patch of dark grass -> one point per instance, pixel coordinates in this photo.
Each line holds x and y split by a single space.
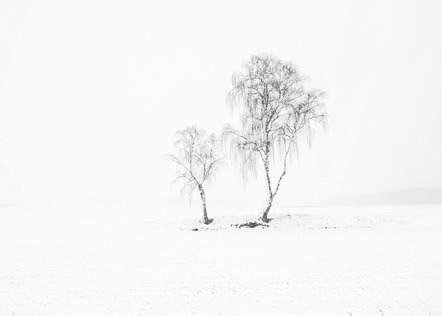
250 225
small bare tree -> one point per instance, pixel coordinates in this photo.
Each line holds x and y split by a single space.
198 159
275 108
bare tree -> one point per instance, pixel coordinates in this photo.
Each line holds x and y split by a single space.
275 108
198 159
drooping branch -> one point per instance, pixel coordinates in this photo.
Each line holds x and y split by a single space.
198 157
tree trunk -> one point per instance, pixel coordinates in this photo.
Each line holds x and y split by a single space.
264 217
206 219
272 194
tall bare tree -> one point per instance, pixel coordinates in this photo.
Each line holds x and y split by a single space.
197 160
275 108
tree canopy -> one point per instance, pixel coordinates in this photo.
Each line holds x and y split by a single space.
275 107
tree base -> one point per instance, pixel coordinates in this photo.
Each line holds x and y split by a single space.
264 219
207 221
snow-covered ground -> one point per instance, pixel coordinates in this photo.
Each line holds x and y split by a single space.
309 261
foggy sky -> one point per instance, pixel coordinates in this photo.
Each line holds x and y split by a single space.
92 92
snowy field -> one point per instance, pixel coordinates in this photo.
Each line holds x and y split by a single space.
309 261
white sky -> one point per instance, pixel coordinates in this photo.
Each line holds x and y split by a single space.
91 93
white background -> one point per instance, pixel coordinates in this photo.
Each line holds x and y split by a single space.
92 92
